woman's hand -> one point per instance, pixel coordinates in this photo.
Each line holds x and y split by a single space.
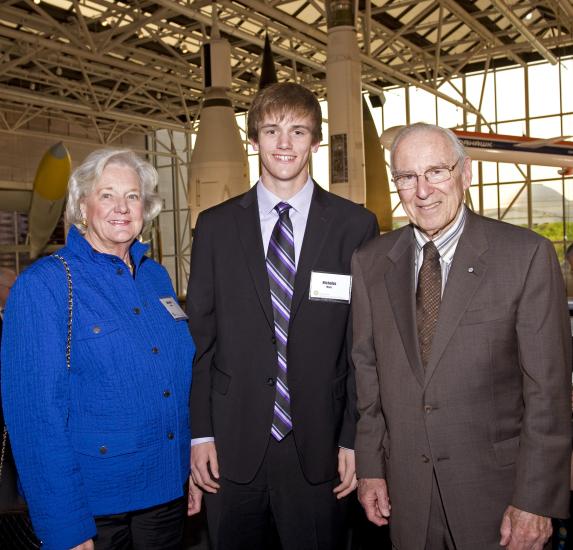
87 545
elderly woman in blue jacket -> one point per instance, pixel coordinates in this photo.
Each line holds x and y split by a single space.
102 449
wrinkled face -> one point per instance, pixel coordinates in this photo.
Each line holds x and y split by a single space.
284 148
432 208
114 210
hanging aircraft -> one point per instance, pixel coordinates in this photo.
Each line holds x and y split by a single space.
514 149
44 202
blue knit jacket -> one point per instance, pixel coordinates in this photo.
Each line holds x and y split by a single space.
112 434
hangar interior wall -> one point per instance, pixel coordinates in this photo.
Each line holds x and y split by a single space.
20 156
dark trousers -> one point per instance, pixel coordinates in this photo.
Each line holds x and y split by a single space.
278 502
438 536
156 528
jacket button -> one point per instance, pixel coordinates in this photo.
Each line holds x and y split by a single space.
102 450
154 350
166 393
170 435
136 310
119 271
427 409
425 459
270 381
96 330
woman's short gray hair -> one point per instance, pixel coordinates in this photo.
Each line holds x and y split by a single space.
457 145
85 177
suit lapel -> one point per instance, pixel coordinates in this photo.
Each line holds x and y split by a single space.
249 229
400 285
315 235
466 274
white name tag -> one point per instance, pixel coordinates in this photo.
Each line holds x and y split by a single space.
330 287
173 308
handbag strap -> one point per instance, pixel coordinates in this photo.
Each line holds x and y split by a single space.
3 451
70 308
68 350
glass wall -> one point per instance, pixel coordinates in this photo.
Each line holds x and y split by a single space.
536 100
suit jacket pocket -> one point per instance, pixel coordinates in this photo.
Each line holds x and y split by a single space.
506 451
220 381
485 315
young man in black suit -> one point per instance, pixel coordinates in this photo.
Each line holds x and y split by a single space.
273 397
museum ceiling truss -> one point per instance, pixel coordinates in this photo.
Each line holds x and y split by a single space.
96 69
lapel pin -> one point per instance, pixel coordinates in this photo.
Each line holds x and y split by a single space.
470 269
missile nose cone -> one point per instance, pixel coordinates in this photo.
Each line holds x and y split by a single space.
268 72
59 150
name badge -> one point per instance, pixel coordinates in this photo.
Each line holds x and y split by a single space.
330 287
174 309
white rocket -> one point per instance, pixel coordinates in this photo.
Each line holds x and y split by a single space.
219 167
344 95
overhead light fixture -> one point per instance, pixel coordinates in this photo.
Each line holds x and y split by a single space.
37 2
529 15
59 71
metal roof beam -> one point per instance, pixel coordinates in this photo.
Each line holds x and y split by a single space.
477 27
522 28
21 96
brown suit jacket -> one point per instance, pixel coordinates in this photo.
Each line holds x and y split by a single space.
491 412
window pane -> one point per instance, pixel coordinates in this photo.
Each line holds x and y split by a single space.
320 167
394 108
513 203
510 105
324 110
543 172
488 171
511 128
547 202
474 193
490 201
568 126
449 115
567 85
474 85
549 127
512 172
543 90
422 106
253 169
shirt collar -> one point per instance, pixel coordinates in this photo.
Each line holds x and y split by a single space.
299 202
78 244
448 240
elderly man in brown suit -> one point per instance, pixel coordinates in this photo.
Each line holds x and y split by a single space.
462 354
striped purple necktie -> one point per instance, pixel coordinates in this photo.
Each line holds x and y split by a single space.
281 269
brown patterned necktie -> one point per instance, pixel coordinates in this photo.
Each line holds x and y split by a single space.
428 298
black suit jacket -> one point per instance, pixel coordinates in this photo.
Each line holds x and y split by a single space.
231 320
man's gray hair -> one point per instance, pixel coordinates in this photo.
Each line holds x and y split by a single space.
85 177
425 127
